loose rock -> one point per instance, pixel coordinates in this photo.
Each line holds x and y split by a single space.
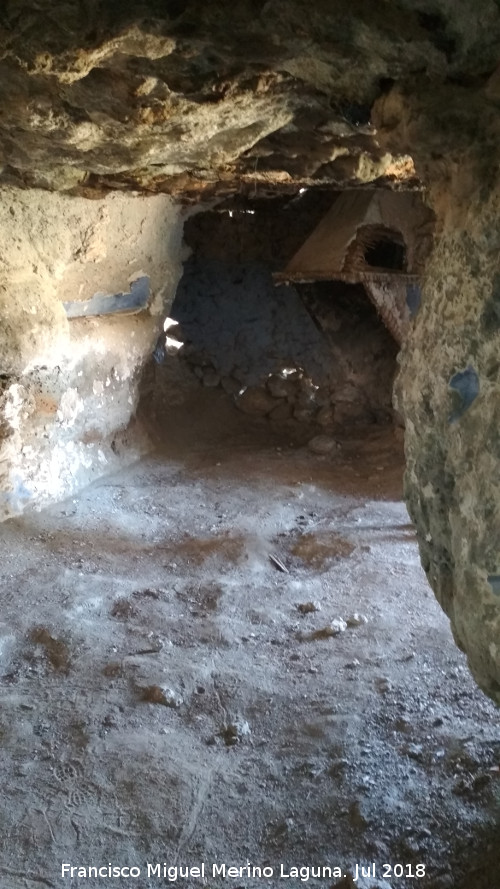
255 401
336 627
308 607
278 387
160 694
230 385
324 416
281 412
322 444
234 732
303 414
356 620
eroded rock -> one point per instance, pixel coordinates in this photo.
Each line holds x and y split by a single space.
188 99
70 385
449 393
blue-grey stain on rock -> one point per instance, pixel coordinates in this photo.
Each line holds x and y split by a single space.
159 353
111 304
413 298
466 384
494 582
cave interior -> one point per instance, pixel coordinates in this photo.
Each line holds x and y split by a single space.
249 402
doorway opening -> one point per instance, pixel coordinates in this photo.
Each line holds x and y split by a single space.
306 357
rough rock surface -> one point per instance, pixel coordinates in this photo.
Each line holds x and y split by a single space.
453 485
68 388
448 388
320 349
186 95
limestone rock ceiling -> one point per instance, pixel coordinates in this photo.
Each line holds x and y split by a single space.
189 96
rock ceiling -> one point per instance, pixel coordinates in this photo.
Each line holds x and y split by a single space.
191 97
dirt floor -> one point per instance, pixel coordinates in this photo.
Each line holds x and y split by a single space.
178 683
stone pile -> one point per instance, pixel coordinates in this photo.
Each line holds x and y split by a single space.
288 396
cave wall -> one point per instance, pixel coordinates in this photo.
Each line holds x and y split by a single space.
314 354
184 98
68 388
266 230
234 317
362 351
449 391
449 384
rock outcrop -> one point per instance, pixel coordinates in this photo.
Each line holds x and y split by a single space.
192 97
449 384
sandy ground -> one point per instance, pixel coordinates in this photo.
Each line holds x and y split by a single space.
165 699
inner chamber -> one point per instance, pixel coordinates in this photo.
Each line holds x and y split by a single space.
307 353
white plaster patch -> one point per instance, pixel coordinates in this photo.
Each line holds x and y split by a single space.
71 405
14 403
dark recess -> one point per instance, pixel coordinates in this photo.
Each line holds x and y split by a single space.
386 253
435 25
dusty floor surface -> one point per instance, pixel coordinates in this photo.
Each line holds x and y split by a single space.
164 698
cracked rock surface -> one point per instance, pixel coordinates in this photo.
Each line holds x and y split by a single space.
183 96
